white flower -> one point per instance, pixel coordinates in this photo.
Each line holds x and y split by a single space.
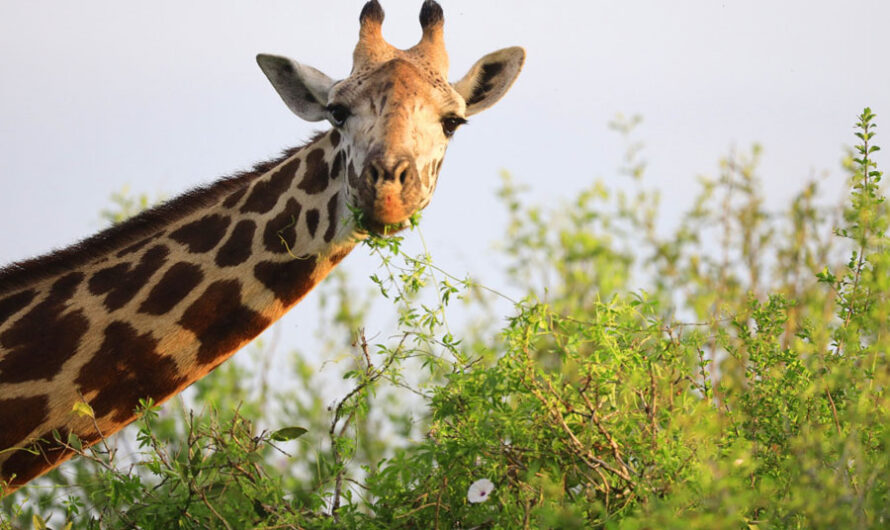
480 490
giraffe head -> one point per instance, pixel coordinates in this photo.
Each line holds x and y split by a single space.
396 112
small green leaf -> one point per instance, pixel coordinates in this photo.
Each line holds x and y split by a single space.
288 433
826 276
75 442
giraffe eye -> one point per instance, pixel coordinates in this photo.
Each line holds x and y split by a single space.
451 123
339 114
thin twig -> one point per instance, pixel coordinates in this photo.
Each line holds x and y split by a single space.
372 375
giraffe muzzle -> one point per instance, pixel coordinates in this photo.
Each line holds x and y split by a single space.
389 191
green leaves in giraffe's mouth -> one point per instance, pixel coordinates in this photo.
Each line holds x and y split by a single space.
365 223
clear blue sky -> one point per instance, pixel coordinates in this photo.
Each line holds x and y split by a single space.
165 95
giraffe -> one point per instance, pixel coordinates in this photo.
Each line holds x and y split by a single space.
149 306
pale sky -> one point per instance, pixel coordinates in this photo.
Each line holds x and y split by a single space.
165 95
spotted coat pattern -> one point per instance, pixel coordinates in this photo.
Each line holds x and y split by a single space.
151 314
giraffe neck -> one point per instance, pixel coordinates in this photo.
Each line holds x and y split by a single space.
146 308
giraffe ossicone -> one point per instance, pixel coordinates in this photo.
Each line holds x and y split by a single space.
147 307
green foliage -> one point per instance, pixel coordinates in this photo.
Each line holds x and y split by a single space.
743 383
126 206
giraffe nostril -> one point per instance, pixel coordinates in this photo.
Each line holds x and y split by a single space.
401 170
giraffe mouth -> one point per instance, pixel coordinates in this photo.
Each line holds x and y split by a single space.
387 216
381 229
389 209
384 208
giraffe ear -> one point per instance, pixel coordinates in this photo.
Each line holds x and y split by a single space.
490 78
303 88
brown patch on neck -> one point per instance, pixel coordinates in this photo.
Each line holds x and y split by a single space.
316 177
39 343
280 234
127 368
203 234
122 282
174 286
237 249
289 280
265 195
19 417
15 303
220 322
